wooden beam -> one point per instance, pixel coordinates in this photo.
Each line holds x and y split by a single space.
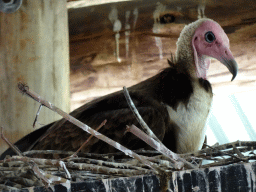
33 49
93 42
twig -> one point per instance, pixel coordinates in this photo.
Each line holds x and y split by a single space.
37 114
85 127
47 179
39 173
52 154
13 147
84 144
53 162
227 161
108 167
235 143
106 170
217 150
160 147
224 153
123 165
56 163
138 116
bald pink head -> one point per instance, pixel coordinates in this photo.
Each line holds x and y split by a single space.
210 40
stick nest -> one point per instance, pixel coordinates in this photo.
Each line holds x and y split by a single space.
16 172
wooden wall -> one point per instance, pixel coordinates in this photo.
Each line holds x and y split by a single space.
146 32
34 50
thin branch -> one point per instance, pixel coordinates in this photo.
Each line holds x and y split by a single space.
160 147
53 162
33 166
235 143
39 173
122 165
86 142
25 89
138 116
37 114
106 170
223 152
224 149
108 167
107 157
13 147
63 154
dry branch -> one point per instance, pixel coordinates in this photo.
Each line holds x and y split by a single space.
25 89
85 143
37 114
138 116
105 166
47 179
123 165
161 148
53 154
106 170
13 147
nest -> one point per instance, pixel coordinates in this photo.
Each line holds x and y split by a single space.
45 168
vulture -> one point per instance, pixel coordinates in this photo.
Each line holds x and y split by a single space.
175 103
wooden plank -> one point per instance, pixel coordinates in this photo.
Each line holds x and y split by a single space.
33 49
93 52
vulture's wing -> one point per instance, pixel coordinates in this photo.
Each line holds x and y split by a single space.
64 135
116 111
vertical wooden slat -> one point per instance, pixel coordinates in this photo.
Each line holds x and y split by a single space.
33 49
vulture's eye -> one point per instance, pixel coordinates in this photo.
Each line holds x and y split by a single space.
209 37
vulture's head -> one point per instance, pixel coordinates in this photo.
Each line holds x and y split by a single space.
199 42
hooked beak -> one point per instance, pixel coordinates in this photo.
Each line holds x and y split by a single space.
232 66
224 55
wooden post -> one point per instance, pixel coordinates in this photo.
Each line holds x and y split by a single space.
33 49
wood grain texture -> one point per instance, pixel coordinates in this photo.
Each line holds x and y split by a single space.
34 50
95 69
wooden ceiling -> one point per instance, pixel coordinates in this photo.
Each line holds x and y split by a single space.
119 44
